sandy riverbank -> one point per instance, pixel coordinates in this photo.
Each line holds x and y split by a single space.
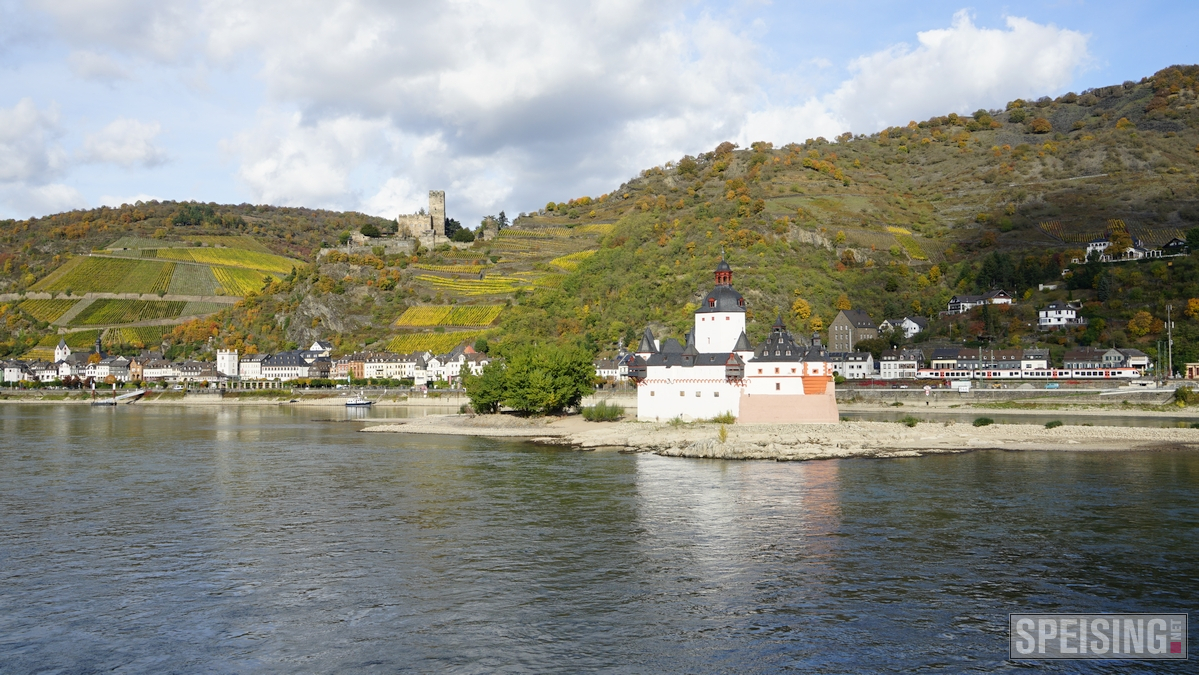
796 441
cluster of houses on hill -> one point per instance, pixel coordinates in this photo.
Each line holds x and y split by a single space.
1101 249
248 371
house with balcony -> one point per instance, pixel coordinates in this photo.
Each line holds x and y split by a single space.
1060 315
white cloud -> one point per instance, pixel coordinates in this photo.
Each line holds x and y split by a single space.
158 29
26 200
508 103
29 152
284 161
959 69
125 142
90 65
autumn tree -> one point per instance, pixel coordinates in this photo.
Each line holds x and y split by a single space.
1192 309
802 310
1144 323
1040 125
843 302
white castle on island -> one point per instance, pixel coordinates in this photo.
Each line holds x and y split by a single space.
717 372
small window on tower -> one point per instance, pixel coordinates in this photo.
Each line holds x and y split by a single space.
776 371
777 386
697 394
711 302
682 393
715 394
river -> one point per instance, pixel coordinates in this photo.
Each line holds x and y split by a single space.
246 539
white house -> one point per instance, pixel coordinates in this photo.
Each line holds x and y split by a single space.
960 304
1034 359
907 326
1060 314
227 362
717 372
899 364
250 366
16 371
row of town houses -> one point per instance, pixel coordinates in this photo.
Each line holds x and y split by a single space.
315 362
904 364
852 326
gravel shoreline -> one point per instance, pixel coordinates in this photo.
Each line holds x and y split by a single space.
788 442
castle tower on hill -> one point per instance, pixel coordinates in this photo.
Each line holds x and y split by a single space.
428 226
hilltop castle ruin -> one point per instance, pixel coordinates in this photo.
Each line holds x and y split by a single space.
428 226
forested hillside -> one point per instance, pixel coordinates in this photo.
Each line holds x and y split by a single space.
894 223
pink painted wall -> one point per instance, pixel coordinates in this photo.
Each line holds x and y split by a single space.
815 409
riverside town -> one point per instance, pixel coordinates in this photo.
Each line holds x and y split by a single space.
357 337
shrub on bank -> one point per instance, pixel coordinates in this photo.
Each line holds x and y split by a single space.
724 418
1053 425
603 412
909 421
983 422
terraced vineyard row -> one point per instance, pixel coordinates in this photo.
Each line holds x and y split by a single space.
143 242
137 336
912 246
570 262
108 275
438 343
267 262
456 269
81 339
194 280
493 285
244 242
103 312
199 308
464 315
239 281
47 310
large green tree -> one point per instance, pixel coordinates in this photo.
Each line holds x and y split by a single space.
534 380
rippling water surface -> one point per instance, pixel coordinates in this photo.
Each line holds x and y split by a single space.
159 539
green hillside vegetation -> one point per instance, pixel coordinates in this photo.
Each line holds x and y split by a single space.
894 223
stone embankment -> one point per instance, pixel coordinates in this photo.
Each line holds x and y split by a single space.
798 441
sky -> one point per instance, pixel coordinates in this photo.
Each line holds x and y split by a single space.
366 105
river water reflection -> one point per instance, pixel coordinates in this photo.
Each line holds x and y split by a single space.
161 539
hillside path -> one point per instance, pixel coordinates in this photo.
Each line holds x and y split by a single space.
41 295
73 312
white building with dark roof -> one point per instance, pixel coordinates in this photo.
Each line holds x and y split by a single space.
717 372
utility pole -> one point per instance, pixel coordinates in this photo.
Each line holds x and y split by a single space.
1170 341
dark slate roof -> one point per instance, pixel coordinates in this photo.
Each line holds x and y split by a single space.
742 343
780 346
858 318
723 266
685 360
647 343
672 346
721 299
284 360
